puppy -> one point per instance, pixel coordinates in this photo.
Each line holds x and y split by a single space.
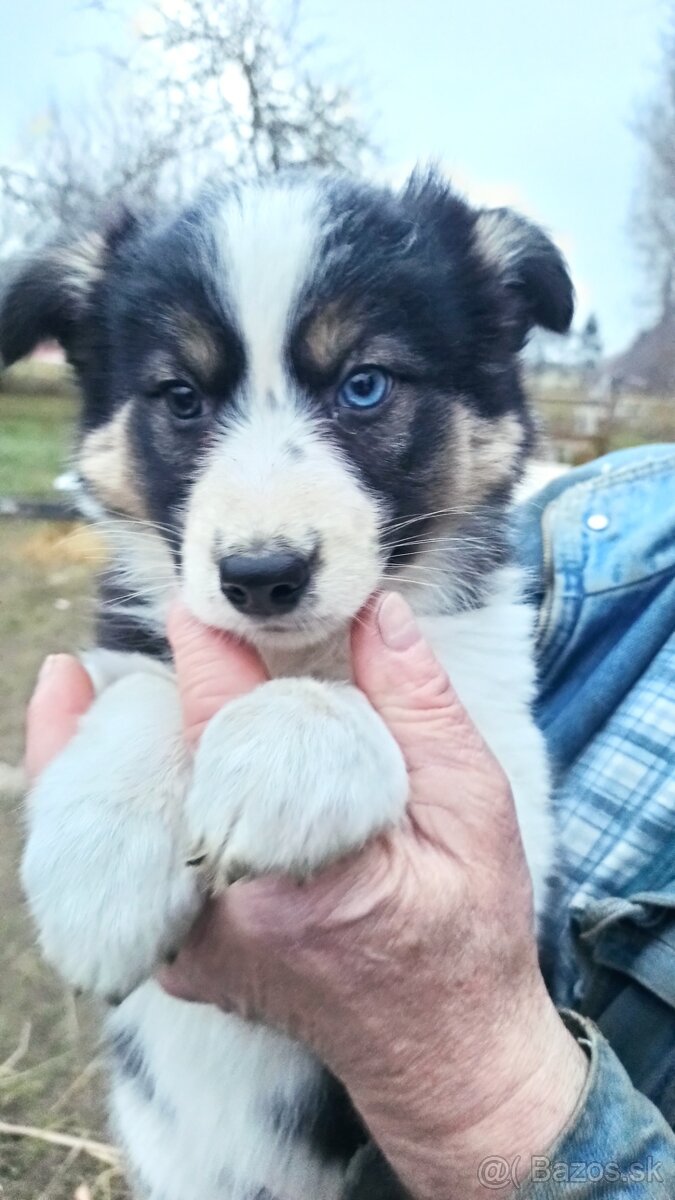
293 394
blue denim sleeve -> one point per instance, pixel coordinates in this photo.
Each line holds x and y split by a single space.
598 548
617 1145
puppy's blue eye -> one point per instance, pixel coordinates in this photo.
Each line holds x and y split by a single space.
182 400
365 388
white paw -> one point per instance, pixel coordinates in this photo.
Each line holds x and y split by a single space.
104 868
289 777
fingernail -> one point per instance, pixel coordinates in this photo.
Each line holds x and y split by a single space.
396 622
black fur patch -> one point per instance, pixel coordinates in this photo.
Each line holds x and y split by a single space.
130 1063
119 625
371 1178
325 1119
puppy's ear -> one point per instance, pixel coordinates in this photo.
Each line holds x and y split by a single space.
49 295
531 269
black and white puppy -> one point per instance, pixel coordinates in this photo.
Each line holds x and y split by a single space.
294 393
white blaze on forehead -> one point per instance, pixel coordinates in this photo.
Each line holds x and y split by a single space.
268 242
272 477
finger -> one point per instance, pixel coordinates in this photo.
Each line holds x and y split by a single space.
199 973
212 667
217 962
398 671
62 695
244 942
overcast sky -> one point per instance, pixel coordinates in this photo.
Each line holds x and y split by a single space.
524 101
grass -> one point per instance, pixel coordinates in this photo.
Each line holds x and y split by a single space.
51 1075
57 1082
35 442
44 608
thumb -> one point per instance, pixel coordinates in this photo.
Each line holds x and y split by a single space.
396 668
212 667
62 696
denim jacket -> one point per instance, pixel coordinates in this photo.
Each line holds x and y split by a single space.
599 547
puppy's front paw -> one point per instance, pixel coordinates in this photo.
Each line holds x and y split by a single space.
289 777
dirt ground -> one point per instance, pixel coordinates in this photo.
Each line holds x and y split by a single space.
50 1063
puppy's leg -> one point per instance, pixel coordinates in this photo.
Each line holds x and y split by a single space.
104 865
291 776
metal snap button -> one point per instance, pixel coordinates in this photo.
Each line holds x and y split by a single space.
597 522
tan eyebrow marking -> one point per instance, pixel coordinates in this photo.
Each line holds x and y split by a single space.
196 344
329 335
335 338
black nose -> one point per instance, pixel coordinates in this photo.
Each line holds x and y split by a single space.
264 585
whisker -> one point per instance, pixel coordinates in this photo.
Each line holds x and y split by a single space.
476 510
392 526
424 568
418 583
115 601
436 542
127 521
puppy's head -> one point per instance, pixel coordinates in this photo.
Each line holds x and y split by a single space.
304 389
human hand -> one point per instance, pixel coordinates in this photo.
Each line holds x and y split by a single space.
411 968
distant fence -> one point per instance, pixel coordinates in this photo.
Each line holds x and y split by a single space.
39 510
579 424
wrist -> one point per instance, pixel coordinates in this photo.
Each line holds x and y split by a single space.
534 1107
514 1094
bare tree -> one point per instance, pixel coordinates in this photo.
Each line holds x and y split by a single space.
590 347
653 216
209 84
